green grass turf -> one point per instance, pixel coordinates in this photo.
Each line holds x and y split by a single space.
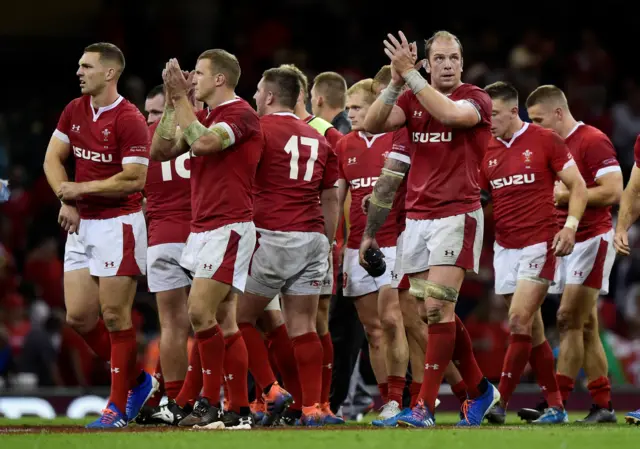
512 436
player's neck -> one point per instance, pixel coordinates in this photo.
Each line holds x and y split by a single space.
105 98
446 90
280 110
329 114
220 96
568 125
514 128
301 112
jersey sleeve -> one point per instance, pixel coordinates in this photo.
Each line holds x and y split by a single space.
333 136
134 139
331 171
240 124
481 101
64 123
401 146
559 154
636 152
600 157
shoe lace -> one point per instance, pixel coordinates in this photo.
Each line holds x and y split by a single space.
419 412
199 410
108 416
466 406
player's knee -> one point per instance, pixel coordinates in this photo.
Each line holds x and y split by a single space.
435 314
567 320
590 331
391 321
424 289
114 318
519 323
374 336
81 323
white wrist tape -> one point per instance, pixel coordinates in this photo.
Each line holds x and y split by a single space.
390 94
415 81
572 223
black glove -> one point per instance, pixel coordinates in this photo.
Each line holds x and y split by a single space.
375 259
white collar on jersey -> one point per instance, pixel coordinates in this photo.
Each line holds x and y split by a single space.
575 128
515 135
96 115
284 114
366 137
209 109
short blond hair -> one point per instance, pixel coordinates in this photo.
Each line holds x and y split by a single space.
333 87
441 35
547 94
224 62
382 78
365 87
302 78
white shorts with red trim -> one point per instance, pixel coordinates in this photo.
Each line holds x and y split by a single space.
164 272
357 282
292 263
589 264
110 247
223 254
455 240
331 278
399 280
533 263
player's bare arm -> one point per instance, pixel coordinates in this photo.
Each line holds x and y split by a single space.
457 114
57 153
607 192
381 201
565 239
628 213
330 211
167 141
130 180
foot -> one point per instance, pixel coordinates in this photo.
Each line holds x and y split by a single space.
633 418
276 402
236 421
531 414
553 415
420 416
258 409
290 417
111 418
139 394
474 410
393 420
202 415
599 415
169 413
328 417
312 416
497 415
389 410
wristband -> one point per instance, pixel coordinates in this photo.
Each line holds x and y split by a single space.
572 223
375 201
390 94
415 81
166 129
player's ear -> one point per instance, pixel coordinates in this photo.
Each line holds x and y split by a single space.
427 66
111 73
461 64
220 79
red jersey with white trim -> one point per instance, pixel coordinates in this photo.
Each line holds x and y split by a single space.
636 152
444 181
168 191
595 156
296 167
221 183
402 147
520 175
361 158
102 141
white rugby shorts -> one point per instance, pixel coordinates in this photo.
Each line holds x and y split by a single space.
109 247
534 263
164 272
222 254
357 282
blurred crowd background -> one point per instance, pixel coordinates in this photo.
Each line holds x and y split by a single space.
584 52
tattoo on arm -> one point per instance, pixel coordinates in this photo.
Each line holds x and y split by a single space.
384 193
